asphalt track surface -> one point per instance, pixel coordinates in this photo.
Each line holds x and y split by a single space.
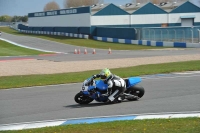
100 53
167 93
172 93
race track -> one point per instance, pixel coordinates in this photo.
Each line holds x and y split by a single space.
167 93
100 53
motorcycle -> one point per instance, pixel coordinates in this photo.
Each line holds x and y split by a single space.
97 90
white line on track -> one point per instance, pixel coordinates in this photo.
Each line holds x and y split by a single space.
159 113
29 47
145 78
48 123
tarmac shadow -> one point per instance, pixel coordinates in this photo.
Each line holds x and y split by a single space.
86 105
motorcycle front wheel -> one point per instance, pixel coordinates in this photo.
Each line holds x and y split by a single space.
82 99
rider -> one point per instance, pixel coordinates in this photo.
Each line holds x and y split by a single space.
116 85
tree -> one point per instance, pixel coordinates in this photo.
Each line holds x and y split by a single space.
2 19
24 18
51 6
5 18
78 3
16 19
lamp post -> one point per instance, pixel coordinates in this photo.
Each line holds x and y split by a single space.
168 35
183 35
199 35
192 35
149 35
175 35
154 35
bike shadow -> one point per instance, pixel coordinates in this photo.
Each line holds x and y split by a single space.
86 105
91 105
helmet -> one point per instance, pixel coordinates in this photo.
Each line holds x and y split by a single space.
105 73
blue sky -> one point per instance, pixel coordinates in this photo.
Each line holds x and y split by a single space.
23 7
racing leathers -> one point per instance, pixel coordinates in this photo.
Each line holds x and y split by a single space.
116 86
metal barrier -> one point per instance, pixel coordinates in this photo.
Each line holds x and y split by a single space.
172 34
5 23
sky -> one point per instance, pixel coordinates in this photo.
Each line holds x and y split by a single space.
23 7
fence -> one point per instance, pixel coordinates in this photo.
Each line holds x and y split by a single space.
5 23
116 32
172 34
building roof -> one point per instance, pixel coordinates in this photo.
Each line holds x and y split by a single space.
169 6
186 7
97 7
109 9
149 8
132 7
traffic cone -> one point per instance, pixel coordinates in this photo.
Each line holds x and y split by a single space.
94 52
75 51
79 51
109 51
85 52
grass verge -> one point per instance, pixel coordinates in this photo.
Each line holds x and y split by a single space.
7 49
49 79
181 125
82 42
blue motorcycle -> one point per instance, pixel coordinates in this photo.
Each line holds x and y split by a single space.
97 90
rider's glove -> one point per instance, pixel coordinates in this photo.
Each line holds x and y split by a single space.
96 76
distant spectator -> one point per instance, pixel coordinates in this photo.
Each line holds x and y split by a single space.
0 33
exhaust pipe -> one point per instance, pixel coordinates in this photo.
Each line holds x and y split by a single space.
129 96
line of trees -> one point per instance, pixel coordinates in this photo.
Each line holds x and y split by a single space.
51 6
6 18
78 3
71 3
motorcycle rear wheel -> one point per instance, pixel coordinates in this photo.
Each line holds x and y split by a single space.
136 90
81 99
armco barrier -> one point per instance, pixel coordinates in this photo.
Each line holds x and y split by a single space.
56 33
150 43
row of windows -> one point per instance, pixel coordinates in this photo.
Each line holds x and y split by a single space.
71 11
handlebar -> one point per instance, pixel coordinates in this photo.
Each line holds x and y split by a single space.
88 82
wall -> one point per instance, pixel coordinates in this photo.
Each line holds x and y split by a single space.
149 43
77 20
73 20
110 20
146 20
151 19
122 33
22 27
175 18
73 17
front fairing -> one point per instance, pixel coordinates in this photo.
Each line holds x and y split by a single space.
87 89
101 85
95 89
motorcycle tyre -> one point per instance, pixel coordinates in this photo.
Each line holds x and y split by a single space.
78 95
133 91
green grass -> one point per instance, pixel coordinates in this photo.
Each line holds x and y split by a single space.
186 125
181 125
82 42
7 49
49 79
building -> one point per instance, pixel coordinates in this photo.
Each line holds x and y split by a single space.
101 19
